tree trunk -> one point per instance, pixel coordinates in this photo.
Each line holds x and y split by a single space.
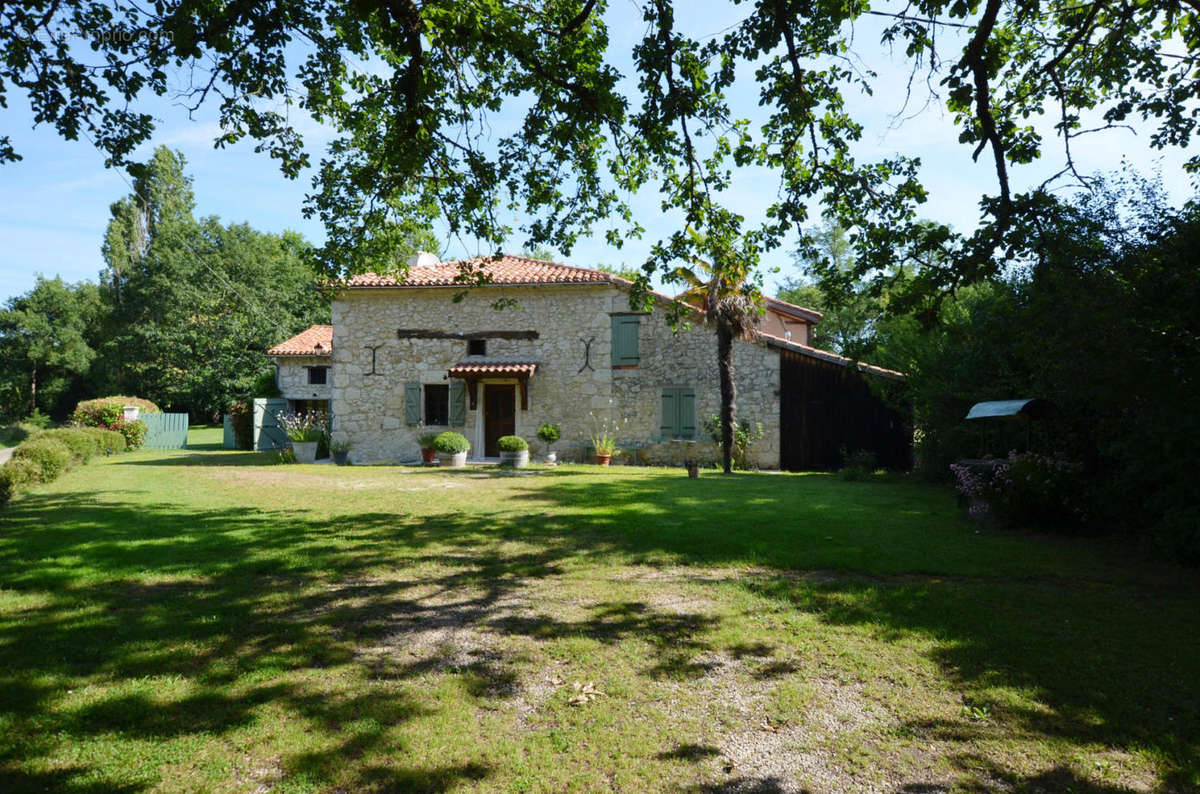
728 392
33 389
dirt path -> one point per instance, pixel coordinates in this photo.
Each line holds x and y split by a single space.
5 454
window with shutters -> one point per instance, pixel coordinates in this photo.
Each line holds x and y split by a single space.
678 413
437 404
625 340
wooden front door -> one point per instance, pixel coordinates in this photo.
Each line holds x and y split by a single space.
499 415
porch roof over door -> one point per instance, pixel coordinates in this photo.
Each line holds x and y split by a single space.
475 371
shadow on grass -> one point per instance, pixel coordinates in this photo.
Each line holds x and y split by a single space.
258 595
202 455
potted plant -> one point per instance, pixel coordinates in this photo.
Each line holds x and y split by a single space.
514 451
340 450
604 436
305 432
428 453
549 433
605 445
452 449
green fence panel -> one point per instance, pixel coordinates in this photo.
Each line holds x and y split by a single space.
165 431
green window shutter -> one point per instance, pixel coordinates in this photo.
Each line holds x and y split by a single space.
458 403
687 413
625 340
412 403
670 413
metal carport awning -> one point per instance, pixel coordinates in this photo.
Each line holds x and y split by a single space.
1033 408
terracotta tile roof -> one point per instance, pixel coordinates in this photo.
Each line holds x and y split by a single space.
825 355
314 341
465 369
783 307
507 270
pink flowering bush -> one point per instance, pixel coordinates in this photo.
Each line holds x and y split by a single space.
1026 489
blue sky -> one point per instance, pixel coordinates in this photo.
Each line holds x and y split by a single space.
54 203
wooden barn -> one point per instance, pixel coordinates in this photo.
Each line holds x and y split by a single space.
830 405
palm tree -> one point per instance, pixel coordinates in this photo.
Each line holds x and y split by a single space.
733 305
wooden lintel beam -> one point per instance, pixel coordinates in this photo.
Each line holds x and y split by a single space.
425 333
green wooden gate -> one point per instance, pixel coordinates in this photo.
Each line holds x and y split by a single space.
267 432
165 431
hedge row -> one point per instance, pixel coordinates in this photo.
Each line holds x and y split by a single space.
48 454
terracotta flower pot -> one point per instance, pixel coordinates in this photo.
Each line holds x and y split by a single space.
428 455
603 460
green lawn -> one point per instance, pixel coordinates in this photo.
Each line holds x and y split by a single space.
205 620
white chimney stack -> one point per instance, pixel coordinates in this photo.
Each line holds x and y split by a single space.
423 259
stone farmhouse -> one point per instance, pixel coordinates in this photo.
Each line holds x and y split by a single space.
546 342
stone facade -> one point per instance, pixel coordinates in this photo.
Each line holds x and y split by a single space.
292 378
575 384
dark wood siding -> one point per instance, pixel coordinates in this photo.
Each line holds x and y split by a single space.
825 408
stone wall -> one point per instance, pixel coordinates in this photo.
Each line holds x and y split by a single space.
572 384
292 378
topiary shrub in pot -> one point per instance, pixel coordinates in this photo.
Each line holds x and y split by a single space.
452 449
549 433
514 451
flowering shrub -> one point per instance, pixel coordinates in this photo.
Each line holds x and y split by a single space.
309 426
108 413
1025 489
134 432
105 411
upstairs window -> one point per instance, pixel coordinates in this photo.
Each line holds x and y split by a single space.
318 376
437 404
476 347
625 340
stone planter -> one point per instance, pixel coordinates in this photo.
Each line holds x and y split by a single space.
603 460
305 451
551 458
518 459
341 458
452 460
428 455
693 470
